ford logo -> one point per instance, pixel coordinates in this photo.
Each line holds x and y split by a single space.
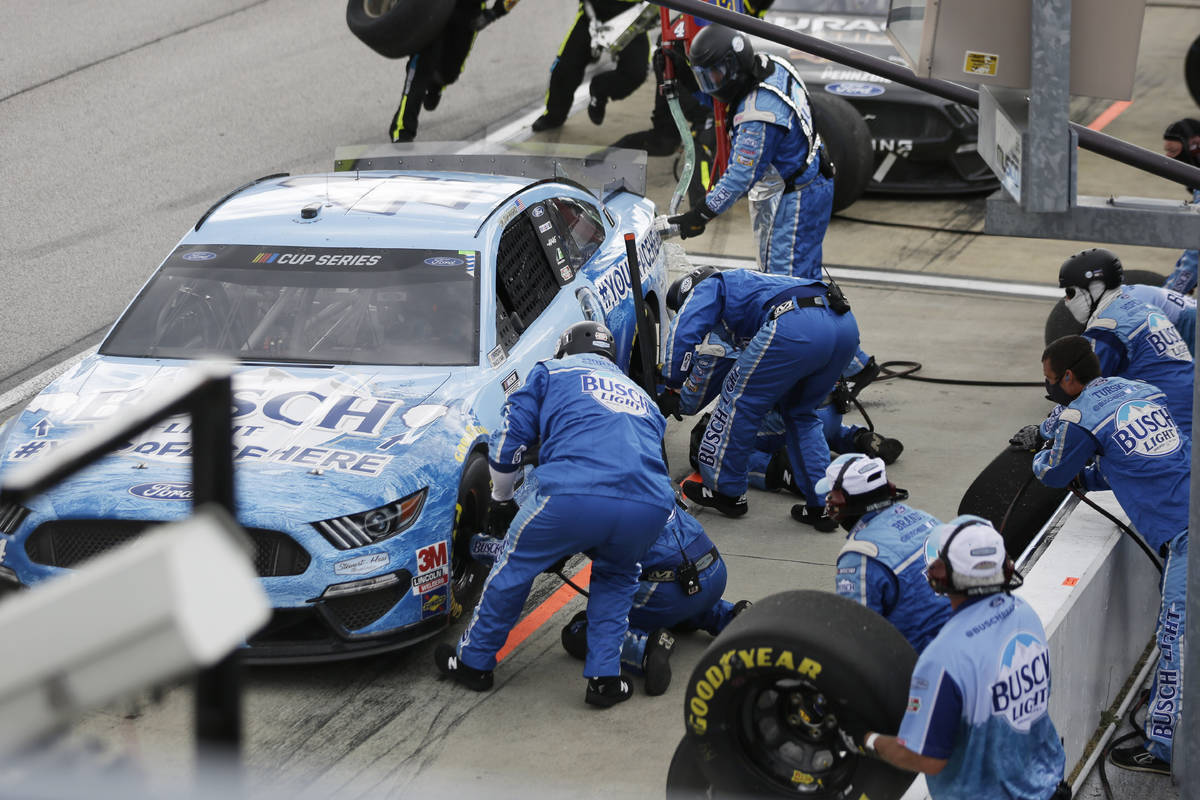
855 89
199 255
537 211
162 491
444 261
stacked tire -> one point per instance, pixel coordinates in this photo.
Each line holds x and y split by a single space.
397 28
848 142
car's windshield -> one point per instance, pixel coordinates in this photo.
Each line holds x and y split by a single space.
874 8
314 305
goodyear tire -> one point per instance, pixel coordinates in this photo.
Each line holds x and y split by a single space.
1061 323
397 28
466 574
772 700
848 140
685 781
1007 494
1191 70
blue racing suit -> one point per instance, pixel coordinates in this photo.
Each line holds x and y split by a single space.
1183 278
774 138
603 490
1134 340
882 566
1126 429
1180 309
793 348
980 698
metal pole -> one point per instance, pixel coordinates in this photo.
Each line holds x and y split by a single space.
1154 163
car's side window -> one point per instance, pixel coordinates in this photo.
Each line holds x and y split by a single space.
582 226
525 280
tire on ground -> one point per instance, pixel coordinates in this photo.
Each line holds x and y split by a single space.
397 28
1191 70
848 141
1008 495
1060 322
793 661
470 517
685 781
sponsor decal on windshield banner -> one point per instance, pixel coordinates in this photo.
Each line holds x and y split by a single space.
342 258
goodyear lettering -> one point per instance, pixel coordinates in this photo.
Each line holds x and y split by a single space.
472 433
736 660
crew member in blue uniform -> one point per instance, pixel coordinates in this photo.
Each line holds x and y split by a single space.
882 564
795 337
773 138
1181 141
683 578
1131 339
978 717
1179 308
603 490
1126 430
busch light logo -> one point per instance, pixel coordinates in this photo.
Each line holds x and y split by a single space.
707 452
162 491
1021 693
616 395
444 261
852 89
1145 428
1165 339
199 255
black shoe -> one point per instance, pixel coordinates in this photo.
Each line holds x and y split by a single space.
740 606
654 142
1139 759
596 109
861 379
608 691
778 471
876 446
813 516
728 505
656 663
433 96
546 122
574 636
448 663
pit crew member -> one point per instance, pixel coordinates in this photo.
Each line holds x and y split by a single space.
1181 141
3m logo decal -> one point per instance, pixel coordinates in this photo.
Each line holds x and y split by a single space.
433 568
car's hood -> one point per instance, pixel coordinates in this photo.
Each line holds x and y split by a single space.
306 440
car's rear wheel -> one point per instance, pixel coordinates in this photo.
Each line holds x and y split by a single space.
848 142
397 28
466 573
1060 322
774 699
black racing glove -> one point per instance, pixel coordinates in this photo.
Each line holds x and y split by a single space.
500 516
1028 438
668 404
693 222
489 15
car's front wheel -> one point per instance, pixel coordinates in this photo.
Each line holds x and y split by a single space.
470 517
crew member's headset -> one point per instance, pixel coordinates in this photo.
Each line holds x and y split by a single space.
838 501
940 571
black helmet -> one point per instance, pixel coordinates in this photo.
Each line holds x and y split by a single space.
723 60
681 288
586 337
1183 131
1096 264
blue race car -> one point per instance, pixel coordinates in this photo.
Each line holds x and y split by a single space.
378 315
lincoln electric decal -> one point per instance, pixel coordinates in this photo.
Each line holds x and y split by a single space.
331 423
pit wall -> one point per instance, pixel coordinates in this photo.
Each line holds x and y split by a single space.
1097 595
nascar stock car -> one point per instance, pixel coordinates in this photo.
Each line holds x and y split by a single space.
377 317
923 144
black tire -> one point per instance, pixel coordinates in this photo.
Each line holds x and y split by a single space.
1191 70
1060 322
685 781
470 517
1008 495
397 28
783 686
848 141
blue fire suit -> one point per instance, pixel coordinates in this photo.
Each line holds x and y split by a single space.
793 348
603 490
1180 309
1134 340
1183 278
980 698
1139 453
774 138
882 566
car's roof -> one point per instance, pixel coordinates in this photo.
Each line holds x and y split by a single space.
430 209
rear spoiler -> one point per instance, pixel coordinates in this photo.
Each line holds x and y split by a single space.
601 170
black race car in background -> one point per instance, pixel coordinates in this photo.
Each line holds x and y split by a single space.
923 144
